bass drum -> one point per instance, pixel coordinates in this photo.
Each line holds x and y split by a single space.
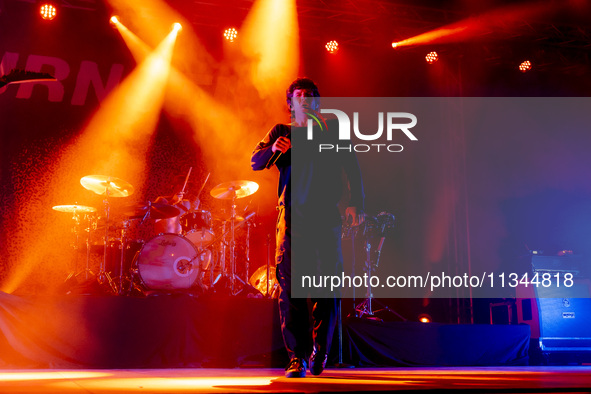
168 262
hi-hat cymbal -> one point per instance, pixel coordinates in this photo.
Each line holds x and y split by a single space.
156 211
238 189
100 184
73 208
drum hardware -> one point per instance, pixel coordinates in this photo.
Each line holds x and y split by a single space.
109 187
77 211
223 252
106 185
265 281
223 244
232 191
124 230
264 278
247 252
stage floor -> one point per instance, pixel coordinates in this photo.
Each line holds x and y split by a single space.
241 380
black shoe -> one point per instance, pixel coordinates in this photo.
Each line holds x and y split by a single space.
317 362
296 368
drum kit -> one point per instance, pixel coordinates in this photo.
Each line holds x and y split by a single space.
195 252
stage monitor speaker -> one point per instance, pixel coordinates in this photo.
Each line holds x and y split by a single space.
560 318
565 317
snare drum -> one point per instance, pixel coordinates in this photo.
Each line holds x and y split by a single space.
197 227
167 262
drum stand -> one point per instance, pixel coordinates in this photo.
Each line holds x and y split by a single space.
91 226
77 231
103 276
230 244
233 276
123 248
247 252
223 246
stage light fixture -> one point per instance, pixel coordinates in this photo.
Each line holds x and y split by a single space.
176 27
525 66
114 20
432 57
48 11
394 44
332 46
424 318
230 34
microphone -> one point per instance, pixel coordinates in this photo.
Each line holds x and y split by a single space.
273 159
276 155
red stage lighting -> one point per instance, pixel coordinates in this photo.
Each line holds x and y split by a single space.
114 20
48 11
332 46
230 34
431 57
525 66
424 318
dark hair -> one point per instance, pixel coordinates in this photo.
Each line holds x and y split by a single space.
301 83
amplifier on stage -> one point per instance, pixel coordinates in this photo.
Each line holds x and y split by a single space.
567 263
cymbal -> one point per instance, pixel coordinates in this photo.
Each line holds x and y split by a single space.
73 208
239 189
225 218
156 211
238 218
99 184
258 280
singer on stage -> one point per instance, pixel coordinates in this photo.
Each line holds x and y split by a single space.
308 216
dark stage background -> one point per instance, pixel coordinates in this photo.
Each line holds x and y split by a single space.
470 197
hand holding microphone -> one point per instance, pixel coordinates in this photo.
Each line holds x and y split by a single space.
280 146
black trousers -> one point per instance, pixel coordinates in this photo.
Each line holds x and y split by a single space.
321 246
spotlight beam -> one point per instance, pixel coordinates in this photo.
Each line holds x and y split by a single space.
115 143
270 36
211 121
139 49
474 27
